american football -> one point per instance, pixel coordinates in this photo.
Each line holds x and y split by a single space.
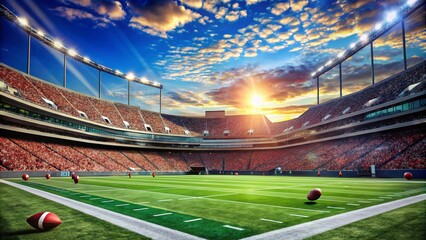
44 221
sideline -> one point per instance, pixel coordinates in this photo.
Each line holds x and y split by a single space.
310 229
135 225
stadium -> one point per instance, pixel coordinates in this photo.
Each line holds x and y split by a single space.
134 162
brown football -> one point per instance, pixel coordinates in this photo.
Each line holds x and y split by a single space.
314 194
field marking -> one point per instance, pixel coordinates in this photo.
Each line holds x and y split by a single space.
352 204
266 205
364 201
187 198
336 207
122 205
386 197
308 229
84 196
208 196
232 227
140 209
270 220
298 215
142 202
107 201
193 220
165 200
162 214
95 198
138 226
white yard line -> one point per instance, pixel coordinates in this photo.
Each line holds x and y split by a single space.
270 220
165 200
298 215
232 227
266 205
122 205
162 214
141 227
352 204
140 209
335 207
193 220
313 228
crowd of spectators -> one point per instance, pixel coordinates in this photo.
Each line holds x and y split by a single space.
176 160
157 160
391 150
21 83
385 91
154 120
193 159
71 102
42 152
102 158
14 158
131 115
84 163
144 163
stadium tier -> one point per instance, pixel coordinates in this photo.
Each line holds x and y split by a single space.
381 125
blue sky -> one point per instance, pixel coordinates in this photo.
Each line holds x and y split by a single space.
211 55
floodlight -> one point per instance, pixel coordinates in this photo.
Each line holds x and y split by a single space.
320 69
328 63
57 44
390 16
364 37
341 54
72 52
23 21
313 74
378 26
40 33
353 45
130 76
86 59
118 72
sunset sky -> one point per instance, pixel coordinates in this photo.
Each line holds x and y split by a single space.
239 56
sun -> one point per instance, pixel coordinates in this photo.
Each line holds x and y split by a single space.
256 101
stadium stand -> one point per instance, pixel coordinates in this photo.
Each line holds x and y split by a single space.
388 150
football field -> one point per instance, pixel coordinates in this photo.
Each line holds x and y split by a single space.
228 207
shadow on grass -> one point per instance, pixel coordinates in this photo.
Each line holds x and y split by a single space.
21 232
310 203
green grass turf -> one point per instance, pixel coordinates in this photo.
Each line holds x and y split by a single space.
17 205
239 201
405 223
